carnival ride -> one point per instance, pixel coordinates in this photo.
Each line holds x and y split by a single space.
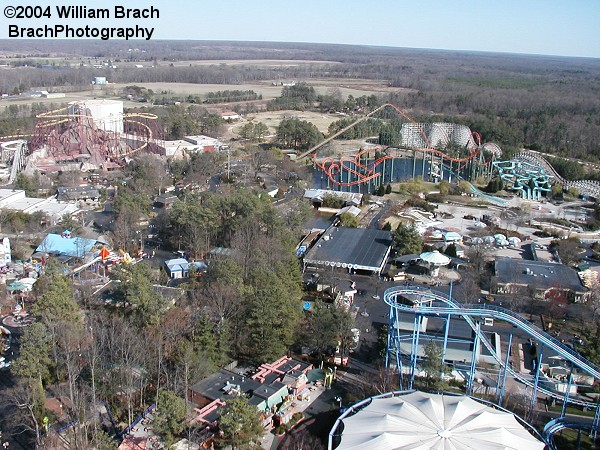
588 188
449 147
414 419
527 179
420 303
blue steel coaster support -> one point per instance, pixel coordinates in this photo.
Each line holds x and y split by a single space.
473 360
415 349
538 369
414 163
445 343
393 344
506 363
400 369
391 337
567 394
596 423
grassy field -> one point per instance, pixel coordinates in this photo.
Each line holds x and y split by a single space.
356 88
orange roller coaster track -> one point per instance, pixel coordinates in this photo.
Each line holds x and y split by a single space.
478 153
366 173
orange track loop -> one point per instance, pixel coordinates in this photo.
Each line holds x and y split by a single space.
331 168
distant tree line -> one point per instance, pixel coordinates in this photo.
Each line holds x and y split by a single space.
516 101
231 96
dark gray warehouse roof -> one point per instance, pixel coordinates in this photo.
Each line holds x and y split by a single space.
359 248
538 274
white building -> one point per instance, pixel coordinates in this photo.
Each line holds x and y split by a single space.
179 146
205 143
106 114
230 115
16 200
5 254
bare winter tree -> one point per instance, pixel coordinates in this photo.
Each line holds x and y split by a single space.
26 416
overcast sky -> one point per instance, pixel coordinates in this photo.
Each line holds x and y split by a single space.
550 27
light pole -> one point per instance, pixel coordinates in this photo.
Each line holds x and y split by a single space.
338 399
377 281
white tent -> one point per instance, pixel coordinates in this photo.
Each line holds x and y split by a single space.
435 258
489 240
514 240
502 243
431 421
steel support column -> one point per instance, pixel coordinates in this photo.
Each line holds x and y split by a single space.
506 364
537 380
473 360
596 422
445 343
563 410
415 349
390 336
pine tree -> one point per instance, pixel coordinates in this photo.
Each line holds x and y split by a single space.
434 367
407 240
239 423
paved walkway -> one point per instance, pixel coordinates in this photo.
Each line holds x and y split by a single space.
270 441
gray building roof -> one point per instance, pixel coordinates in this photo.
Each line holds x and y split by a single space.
537 274
66 193
213 386
357 248
165 199
225 384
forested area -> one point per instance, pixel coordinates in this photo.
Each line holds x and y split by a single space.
143 348
543 103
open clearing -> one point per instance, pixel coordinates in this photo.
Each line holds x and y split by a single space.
273 118
355 87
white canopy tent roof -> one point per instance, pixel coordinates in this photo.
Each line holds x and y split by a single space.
435 258
432 421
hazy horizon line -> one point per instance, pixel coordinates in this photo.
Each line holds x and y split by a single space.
374 46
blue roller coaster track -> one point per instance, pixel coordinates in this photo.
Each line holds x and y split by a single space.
424 302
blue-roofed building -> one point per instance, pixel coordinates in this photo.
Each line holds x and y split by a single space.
181 268
66 245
